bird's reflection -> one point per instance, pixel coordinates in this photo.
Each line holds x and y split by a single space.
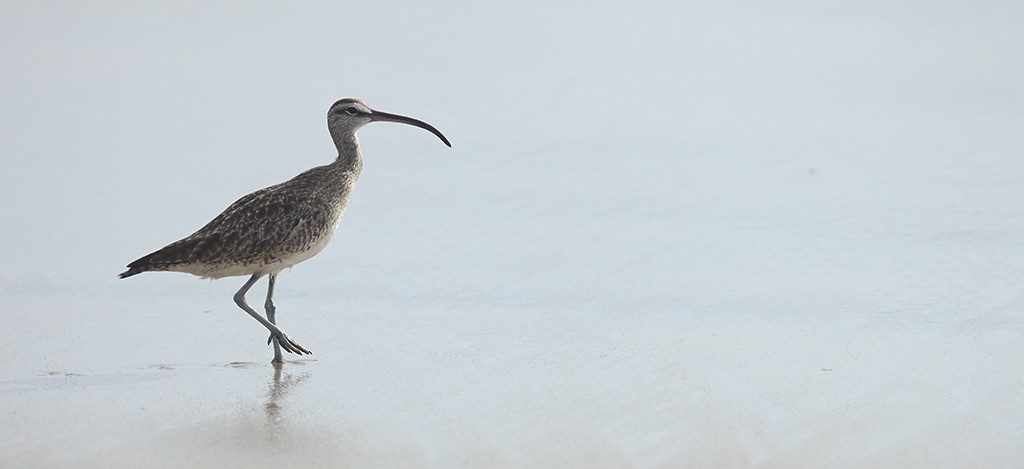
282 384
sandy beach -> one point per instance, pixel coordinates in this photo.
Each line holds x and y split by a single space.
783 235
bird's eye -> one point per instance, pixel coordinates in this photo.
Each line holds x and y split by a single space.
351 110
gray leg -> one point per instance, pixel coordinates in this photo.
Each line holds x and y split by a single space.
271 309
288 344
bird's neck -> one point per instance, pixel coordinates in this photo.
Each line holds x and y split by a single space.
349 156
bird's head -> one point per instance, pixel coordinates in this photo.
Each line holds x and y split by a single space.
349 114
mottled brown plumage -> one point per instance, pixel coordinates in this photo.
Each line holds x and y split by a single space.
279 226
262 232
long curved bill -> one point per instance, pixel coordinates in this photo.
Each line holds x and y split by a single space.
378 116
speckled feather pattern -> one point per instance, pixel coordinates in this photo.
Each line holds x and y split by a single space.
276 227
279 226
266 231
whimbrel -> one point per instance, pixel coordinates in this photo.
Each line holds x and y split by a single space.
277 227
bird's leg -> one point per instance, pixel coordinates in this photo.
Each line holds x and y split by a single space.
288 344
271 309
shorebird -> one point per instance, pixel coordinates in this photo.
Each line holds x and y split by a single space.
279 226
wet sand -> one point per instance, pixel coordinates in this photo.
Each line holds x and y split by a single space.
666 235
528 387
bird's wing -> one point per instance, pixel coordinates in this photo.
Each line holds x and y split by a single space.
263 227
257 226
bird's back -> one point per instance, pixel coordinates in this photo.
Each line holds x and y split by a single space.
262 232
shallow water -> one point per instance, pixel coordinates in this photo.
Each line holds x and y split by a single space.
665 235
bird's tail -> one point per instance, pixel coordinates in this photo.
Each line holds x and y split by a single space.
132 271
163 259
142 264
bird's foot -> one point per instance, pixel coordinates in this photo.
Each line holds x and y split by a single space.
278 359
288 344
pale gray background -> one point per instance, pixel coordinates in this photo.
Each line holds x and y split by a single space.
668 234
